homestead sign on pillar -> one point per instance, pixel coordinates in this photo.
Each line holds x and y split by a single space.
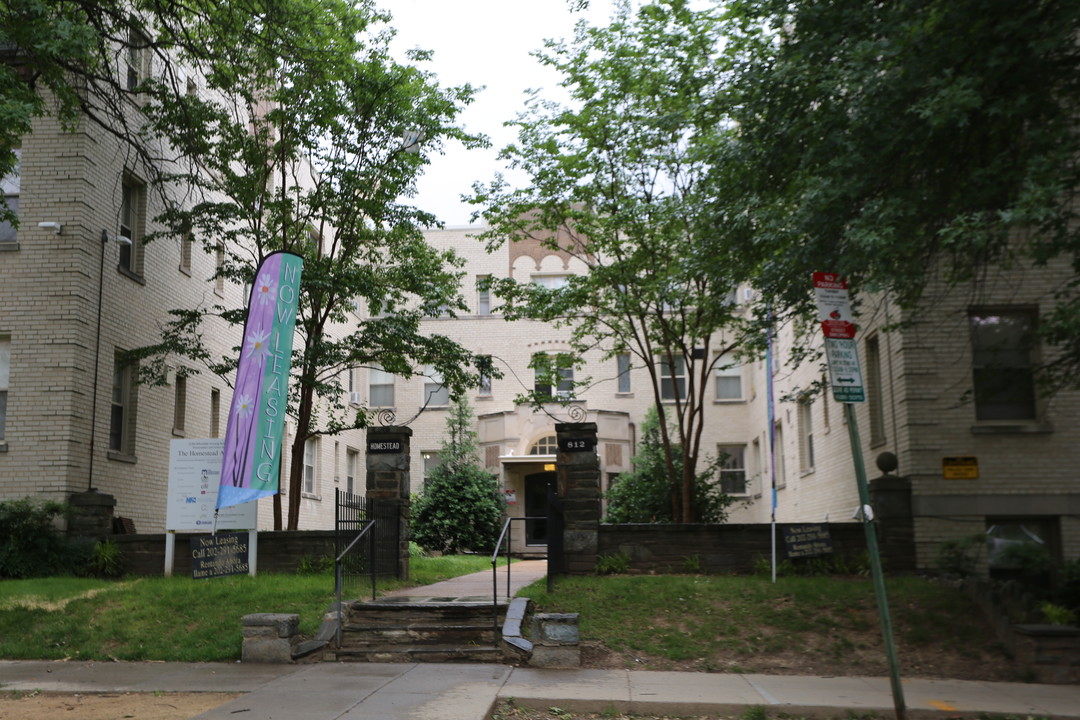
388 456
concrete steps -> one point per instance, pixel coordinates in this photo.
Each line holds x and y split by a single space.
420 629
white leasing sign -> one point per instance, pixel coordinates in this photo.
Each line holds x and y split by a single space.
194 474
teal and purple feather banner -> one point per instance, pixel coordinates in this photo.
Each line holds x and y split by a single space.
252 459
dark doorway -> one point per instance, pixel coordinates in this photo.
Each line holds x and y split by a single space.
536 505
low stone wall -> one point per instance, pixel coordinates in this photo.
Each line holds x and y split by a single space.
281 551
655 548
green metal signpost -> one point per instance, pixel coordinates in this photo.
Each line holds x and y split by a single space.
845 377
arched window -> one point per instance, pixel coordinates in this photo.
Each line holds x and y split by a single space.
547 445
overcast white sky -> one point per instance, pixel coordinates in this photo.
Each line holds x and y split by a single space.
483 42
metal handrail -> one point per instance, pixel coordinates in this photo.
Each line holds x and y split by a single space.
495 570
337 571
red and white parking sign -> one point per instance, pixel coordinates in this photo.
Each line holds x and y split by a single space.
834 309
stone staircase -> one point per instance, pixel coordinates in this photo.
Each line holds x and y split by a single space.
421 629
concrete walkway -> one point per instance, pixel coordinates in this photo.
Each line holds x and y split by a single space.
380 691
479 585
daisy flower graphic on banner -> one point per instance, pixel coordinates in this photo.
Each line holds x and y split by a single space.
256 343
244 406
265 289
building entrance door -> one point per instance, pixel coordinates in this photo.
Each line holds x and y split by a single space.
536 506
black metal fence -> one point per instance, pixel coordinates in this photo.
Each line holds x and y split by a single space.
352 513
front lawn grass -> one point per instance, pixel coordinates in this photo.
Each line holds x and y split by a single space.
177 618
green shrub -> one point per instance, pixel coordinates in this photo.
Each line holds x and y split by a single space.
960 557
460 507
1057 614
106 560
30 543
613 564
315 565
415 551
646 494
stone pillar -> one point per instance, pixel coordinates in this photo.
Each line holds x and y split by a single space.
93 516
578 468
890 496
388 456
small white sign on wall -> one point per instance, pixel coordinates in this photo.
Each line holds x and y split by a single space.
194 475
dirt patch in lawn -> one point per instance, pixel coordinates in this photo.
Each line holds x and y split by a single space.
108 706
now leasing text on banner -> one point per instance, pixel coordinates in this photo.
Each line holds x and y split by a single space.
252 455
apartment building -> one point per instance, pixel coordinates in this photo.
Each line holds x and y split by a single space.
951 394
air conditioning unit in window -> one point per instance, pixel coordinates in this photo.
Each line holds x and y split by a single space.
355 400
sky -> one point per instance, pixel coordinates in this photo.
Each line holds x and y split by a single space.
483 42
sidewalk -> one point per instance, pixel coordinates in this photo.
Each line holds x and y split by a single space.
382 691
369 691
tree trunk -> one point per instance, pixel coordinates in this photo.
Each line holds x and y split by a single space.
296 462
277 509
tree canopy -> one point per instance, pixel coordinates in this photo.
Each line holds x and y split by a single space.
618 183
903 142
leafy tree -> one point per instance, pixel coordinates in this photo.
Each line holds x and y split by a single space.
30 543
644 494
460 507
880 140
311 159
617 183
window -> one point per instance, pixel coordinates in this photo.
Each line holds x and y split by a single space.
673 378
551 282
1002 366
11 185
351 459
759 469
179 404
549 367
131 214
431 460
547 445
219 266
875 396
186 244
135 58
311 459
806 435
5 374
380 387
732 469
122 413
435 393
622 367
483 295
728 378
215 413
485 384
779 467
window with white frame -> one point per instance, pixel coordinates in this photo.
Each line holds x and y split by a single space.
352 457
5 374
135 58
732 468
729 378
219 266
483 295
806 435
485 383
431 460
622 368
780 467
673 377
380 387
759 470
551 282
1003 367
874 395
10 186
311 462
547 445
435 393
131 224
122 410
557 367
